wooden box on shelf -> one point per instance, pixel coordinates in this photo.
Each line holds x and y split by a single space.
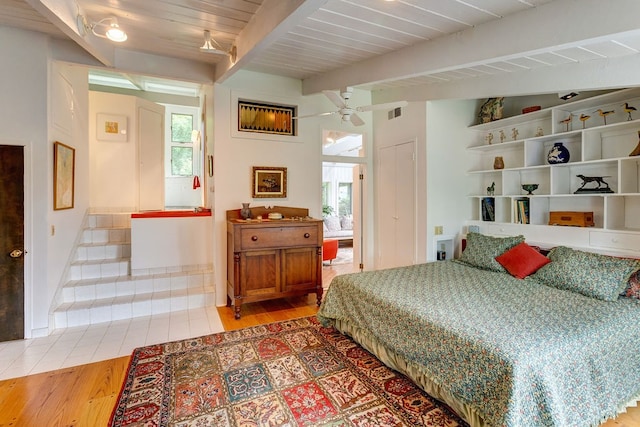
576 219
269 259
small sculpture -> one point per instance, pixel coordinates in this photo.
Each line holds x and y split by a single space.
491 110
489 138
604 114
502 136
636 151
530 188
583 118
567 121
598 180
514 133
539 132
498 162
628 109
491 189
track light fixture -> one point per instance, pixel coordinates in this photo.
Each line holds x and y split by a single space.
106 28
567 96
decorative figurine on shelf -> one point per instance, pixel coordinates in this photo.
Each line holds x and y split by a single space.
514 133
245 212
530 188
604 114
598 180
502 136
583 118
628 109
636 151
558 154
498 163
489 138
491 189
491 110
539 132
567 121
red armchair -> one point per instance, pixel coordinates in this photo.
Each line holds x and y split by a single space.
329 250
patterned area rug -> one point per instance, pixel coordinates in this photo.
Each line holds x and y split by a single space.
290 373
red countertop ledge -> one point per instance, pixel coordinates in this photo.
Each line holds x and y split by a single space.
170 214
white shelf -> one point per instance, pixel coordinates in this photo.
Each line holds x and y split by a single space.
595 149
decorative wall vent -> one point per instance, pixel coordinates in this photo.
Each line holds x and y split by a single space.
261 117
396 112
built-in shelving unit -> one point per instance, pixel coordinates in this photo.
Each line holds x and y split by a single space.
596 149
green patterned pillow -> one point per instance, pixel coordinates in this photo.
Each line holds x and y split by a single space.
482 250
594 275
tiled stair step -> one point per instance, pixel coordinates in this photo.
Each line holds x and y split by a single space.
97 269
101 251
109 287
128 306
106 235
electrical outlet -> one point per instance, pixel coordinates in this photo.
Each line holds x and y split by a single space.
438 230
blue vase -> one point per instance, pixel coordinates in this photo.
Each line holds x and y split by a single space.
558 154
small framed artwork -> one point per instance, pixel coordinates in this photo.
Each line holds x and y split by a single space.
269 182
111 127
63 176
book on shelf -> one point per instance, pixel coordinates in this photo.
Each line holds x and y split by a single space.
488 209
521 208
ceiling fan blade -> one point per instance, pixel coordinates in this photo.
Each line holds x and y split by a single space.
386 106
335 98
356 120
314 115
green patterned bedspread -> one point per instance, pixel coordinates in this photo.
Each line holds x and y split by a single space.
519 352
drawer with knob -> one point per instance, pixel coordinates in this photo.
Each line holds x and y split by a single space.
622 241
273 237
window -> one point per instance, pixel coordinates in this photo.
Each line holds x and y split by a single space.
344 198
181 145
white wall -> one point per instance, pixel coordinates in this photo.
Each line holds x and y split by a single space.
114 164
235 153
447 164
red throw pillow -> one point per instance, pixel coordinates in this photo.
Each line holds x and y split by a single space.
522 260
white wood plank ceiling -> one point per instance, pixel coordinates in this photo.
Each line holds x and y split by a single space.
312 38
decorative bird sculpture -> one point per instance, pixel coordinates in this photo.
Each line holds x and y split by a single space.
583 118
628 109
604 114
567 121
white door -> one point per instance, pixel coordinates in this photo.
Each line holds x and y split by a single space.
151 155
396 206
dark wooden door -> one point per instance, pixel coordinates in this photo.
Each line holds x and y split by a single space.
11 242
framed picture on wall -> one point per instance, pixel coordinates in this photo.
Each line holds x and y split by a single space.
111 127
63 176
269 182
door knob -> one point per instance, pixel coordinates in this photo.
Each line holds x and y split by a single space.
16 253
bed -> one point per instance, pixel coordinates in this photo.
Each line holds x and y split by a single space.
558 347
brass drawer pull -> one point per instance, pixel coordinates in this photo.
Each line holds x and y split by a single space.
307 235
254 238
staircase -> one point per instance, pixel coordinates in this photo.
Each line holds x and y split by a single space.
100 287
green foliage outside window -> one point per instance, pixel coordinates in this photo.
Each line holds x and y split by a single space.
181 127
181 161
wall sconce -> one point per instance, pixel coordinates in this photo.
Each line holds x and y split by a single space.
107 28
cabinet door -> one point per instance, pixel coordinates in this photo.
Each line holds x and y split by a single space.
260 272
299 268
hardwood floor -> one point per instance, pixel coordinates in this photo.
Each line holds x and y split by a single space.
84 396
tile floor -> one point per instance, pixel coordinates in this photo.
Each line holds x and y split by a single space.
86 344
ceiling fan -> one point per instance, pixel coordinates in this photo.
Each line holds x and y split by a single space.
348 113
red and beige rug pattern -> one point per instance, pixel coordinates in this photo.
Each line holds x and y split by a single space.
290 373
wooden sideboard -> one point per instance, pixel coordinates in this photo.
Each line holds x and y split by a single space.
269 259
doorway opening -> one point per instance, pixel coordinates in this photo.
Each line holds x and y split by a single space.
342 183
